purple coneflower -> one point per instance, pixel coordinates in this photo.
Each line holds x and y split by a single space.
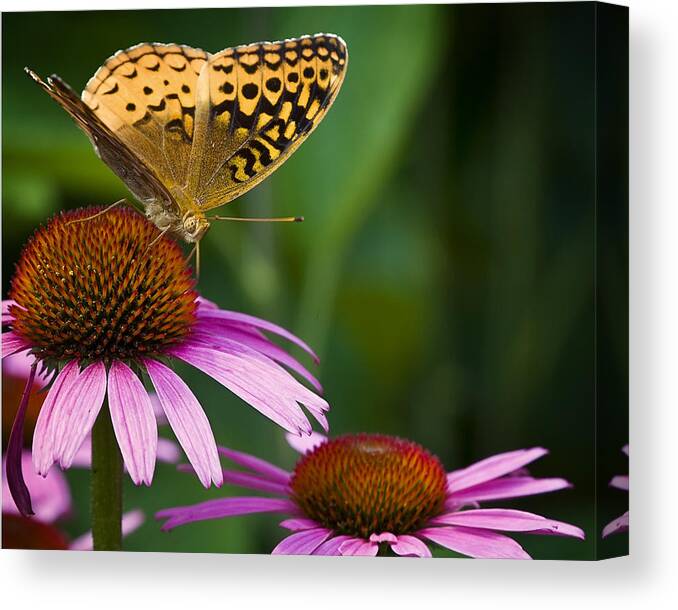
102 301
359 494
620 524
51 498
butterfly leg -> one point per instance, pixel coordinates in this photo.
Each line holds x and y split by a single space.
157 239
195 251
93 216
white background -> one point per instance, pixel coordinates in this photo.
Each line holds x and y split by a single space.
646 580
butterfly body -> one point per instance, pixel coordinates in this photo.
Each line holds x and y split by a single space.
189 131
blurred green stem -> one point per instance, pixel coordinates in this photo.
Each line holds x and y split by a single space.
106 485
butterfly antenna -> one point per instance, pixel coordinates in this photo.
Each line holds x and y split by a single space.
279 219
101 213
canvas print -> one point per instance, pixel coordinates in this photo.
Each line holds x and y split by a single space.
334 281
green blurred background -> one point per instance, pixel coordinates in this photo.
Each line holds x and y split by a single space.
445 269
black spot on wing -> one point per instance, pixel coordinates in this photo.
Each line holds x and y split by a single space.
250 91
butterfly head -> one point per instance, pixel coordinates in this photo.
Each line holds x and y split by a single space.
193 226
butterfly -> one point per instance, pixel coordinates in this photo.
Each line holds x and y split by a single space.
188 131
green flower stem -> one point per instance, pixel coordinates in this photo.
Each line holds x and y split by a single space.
106 485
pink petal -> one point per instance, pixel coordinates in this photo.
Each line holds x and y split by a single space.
168 451
246 480
331 547
77 416
235 318
189 422
12 343
358 546
44 446
620 482
160 418
299 523
270 471
508 487
492 468
133 422
252 481
302 543
13 463
19 366
480 544
223 507
304 444
6 304
621 524
131 522
50 495
625 449
508 520
410 546
254 378
212 334
384 537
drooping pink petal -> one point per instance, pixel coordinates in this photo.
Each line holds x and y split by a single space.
133 422
621 524
12 343
508 520
212 334
620 482
77 416
625 449
331 547
303 542
297 524
508 487
304 444
235 318
492 468
477 543
253 378
13 460
223 507
50 495
131 522
189 422
270 471
44 446
410 546
246 480
358 546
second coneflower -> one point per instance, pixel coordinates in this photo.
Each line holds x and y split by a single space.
105 300
362 494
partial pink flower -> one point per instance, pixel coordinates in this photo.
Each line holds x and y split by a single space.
620 524
101 303
52 504
365 494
